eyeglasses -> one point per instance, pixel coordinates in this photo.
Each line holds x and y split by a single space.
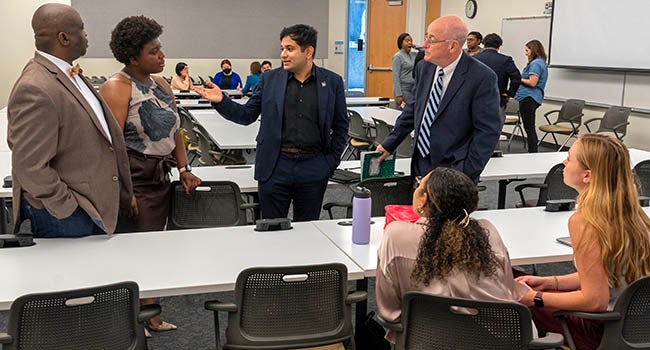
432 40
418 180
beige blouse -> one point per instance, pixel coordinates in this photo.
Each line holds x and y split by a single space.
181 84
396 260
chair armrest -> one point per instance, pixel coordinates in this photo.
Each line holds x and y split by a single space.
356 296
587 122
549 113
246 206
216 305
148 311
520 189
596 316
397 327
328 206
6 338
620 137
550 341
573 119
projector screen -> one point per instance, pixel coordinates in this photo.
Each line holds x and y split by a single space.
600 34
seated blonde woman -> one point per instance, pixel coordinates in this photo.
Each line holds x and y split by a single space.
445 252
609 233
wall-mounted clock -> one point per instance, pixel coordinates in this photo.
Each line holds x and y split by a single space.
470 9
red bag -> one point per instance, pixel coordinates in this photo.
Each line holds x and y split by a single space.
400 213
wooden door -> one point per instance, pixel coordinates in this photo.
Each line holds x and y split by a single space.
433 12
385 24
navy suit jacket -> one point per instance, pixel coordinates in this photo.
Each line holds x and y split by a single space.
467 126
505 69
268 99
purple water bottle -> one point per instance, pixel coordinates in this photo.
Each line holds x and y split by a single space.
361 208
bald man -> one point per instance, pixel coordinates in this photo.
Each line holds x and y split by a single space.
69 165
455 110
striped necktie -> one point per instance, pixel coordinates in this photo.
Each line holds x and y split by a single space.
424 139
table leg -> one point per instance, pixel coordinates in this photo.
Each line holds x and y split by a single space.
3 216
361 307
501 201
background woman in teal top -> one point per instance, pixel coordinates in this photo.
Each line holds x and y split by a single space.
253 79
531 91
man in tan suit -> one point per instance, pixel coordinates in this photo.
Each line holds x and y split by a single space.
69 164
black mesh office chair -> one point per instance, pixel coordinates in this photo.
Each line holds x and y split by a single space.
614 121
437 322
106 317
212 204
642 172
384 191
626 326
552 188
288 308
569 119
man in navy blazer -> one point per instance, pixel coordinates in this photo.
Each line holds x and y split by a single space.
303 127
502 65
467 124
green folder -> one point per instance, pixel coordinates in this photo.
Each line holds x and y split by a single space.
371 167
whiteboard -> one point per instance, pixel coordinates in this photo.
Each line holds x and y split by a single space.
595 87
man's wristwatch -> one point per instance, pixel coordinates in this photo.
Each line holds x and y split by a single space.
539 302
187 168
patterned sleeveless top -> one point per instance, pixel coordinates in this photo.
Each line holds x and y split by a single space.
152 121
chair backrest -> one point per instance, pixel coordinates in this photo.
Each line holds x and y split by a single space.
358 128
391 190
613 118
212 204
382 130
642 172
512 108
405 149
570 109
282 307
187 123
205 146
631 331
437 322
103 317
556 188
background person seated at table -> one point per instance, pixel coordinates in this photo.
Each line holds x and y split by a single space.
226 78
445 252
473 41
144 108
253 79
182 81
609 233
266 65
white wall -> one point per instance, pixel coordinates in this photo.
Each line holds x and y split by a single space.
488 20
19 47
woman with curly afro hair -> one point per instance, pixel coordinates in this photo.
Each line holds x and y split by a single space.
445 252
144 107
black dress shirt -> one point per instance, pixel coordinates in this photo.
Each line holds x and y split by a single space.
300 120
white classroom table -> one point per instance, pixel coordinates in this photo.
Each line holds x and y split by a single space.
190 261
528 233
226 134
185 94
243 175
532 165
198 103
367 101
386 114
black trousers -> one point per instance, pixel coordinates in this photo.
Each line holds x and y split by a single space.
298 178
527 108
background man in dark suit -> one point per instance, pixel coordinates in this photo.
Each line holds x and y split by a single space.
455 114
502 65
303 128
70 170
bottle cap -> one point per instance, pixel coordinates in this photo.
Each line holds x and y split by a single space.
360 192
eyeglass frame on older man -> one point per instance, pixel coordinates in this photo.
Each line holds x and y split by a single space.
430 39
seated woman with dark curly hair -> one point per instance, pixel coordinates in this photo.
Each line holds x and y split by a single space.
456 256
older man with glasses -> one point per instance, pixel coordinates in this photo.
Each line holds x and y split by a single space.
455 112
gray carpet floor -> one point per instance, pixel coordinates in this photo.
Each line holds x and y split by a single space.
196 325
